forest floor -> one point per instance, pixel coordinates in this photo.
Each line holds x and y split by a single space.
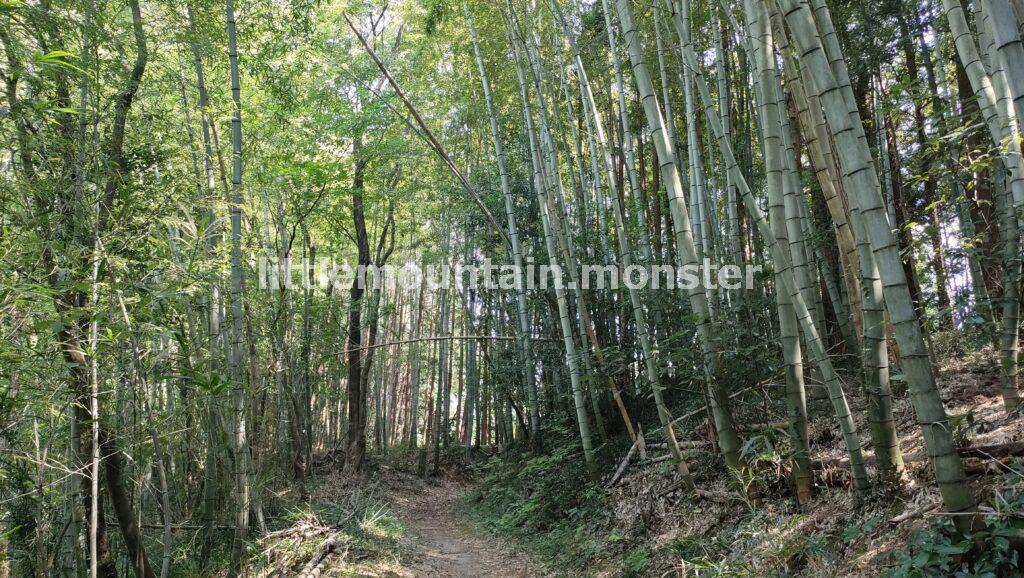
835 535
444 542
395 524
386 524
646 524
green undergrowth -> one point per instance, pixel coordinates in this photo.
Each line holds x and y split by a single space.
577 528
936 549
369 534
544 504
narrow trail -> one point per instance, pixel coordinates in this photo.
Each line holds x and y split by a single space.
446 545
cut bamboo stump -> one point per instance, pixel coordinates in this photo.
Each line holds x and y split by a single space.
314 567
693 449
625 462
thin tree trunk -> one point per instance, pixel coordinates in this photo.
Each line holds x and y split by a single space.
237 351
414 378
356 432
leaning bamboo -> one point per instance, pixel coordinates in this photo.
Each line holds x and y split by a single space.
780 257
865 191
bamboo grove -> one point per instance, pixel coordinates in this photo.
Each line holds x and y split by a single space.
174 175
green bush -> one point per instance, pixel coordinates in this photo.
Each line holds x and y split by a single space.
937 549
541 503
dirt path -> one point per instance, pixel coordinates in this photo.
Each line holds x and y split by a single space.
446 546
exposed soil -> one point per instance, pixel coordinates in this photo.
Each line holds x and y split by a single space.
410 528
445 544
